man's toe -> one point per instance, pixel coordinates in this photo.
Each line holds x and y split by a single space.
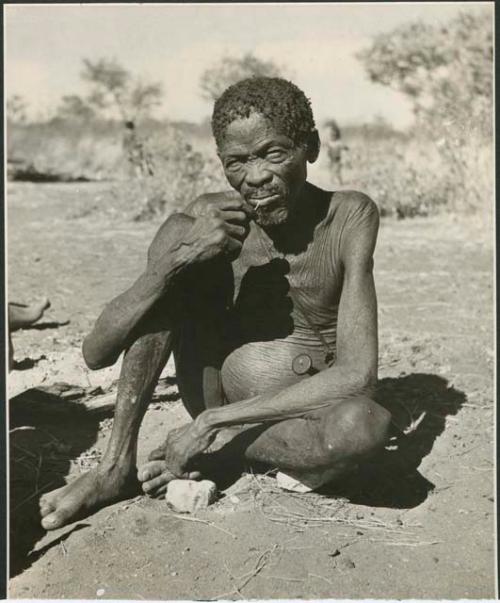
150 470
160 492
152 485
45 508
56 519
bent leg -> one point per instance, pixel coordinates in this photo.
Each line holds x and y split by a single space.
325 444
315 449
115 477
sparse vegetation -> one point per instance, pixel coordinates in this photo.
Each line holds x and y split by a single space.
447 73
443 164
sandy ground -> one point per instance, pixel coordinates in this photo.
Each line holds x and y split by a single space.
423 529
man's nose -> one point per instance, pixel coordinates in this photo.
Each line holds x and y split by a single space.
257 174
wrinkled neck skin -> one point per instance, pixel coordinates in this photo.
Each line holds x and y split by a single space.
299 225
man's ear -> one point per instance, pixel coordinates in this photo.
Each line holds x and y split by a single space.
313 146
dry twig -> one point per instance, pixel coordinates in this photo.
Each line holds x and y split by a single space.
261 563
206 522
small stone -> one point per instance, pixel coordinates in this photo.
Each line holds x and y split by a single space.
286 482
346 563
188 496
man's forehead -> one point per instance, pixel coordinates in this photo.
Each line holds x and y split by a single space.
254 129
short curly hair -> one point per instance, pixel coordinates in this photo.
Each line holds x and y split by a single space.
280 101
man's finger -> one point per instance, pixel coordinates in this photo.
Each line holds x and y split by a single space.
233 244
229 202
234 216
236 231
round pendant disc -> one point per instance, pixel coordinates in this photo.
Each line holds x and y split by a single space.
302 364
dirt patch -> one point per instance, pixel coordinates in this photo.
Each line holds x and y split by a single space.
419 524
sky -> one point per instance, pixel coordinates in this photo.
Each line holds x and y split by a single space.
174 43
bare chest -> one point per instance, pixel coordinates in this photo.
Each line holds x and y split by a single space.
264 276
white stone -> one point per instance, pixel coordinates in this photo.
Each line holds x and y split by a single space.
188 496
286 482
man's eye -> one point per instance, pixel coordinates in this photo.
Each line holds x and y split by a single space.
233 165
276 155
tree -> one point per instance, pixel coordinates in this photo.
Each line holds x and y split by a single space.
16 108
230 70
447 73
445 70
74 107
113 92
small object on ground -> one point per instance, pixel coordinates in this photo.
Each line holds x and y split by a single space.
291 484
346 563
188 496
63 390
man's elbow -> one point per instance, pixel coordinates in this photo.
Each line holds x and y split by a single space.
362 379
367 380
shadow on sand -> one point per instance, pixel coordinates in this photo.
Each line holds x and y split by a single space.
46 432
392 479
418 401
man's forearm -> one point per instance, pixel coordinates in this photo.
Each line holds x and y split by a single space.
326 388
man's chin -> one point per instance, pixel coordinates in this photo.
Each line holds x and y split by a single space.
271 218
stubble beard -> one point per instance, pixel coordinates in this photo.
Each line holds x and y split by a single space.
274 218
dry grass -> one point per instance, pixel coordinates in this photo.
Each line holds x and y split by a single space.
312 510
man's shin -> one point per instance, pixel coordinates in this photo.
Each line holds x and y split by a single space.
142 365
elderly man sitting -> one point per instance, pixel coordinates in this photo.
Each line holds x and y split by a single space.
265 296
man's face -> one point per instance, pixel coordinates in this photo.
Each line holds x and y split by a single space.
267 168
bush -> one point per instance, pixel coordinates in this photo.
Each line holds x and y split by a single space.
447 73
180 173
67 150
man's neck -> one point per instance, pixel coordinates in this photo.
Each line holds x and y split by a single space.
293 235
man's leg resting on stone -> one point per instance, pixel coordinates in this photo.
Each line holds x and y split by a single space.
115 477
320 447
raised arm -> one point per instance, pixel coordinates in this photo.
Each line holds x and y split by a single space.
208 227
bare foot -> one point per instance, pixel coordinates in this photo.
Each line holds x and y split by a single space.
90 492
155 476
21 315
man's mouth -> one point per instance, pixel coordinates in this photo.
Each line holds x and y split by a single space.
263 200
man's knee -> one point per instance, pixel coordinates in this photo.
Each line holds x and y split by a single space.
360 426
174 227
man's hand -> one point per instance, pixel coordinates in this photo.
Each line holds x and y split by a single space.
181 446
220 226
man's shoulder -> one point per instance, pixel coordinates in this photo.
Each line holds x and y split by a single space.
354 200
347 204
